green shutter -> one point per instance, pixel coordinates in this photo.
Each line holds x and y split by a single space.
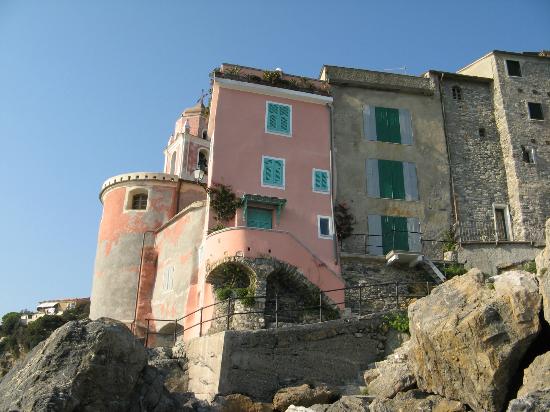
394 233
278 173
268 171
278 118
392 182
320 181
387 125
261 218
273 173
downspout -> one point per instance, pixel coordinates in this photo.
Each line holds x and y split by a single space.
333 182
453 193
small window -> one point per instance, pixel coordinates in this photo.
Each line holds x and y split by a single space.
204 134
457 93
502 225
273 172
278 118
535 111
139 201
202 161
528 154
325 227
173 164
321 181
482 132
514 68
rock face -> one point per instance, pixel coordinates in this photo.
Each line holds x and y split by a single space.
416 401
85 365
534 394
392 375
344 404
302 395
242 403
543 274
469 336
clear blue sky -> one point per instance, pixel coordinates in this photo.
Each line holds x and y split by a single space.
90 89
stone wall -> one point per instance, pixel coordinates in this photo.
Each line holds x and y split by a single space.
490 258
258 363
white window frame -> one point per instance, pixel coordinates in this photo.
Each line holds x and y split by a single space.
262 173
266 118
529 111
507 219
330 228
129 197
313 181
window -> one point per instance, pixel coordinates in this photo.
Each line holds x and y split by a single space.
278 118
387 233
535 111
273 172
204 134
168 279
202 161
513 68
502 222
457 93
260 218
139 201
173 164
528 154
482 132
386 124
321 181
392 179
324 224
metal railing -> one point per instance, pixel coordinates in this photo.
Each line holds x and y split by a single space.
489 232
275 310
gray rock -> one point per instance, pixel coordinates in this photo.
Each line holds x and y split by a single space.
534 394
392 375
303 395
543 274
417 401
468 336
85 365
345 404
538 401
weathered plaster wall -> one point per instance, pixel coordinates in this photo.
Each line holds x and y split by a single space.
258 363
177 247
428 150
119 250
489 258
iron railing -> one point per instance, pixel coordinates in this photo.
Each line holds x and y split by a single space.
489 232
277 310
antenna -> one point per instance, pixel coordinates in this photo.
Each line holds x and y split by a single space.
203 95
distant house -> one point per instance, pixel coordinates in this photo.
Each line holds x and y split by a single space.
52 307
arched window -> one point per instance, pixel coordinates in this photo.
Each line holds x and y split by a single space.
457 93
173 164
139 201
202 162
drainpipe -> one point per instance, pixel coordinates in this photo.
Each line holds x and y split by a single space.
333 182
453 194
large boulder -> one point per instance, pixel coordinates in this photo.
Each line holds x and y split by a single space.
241 403
543 273
534 394
344 404
469 336
303 395
85 365
417 401
391 375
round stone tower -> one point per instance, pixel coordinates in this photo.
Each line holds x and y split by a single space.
134 205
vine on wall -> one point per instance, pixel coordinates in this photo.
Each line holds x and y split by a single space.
343 220
224 202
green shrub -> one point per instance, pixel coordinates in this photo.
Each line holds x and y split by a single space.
530 266
454 270
398 321
224 293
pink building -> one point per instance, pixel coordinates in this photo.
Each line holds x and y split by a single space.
163 250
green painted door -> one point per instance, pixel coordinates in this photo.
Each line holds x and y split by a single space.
387 125
261 218
394 233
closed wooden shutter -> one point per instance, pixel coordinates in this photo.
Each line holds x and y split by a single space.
387 125
391 179
405 125
272 116
273 172
413 235
373 182
284 119
260 218
268 171
374 238
394 233
278 119
320 181
411 183
278 173
369 123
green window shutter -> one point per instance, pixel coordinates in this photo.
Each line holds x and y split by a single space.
391 180
394 233
278 118
278 173
398 181
260 218
320 181
387 125
267 177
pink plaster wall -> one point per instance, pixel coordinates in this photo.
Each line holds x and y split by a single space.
240 141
